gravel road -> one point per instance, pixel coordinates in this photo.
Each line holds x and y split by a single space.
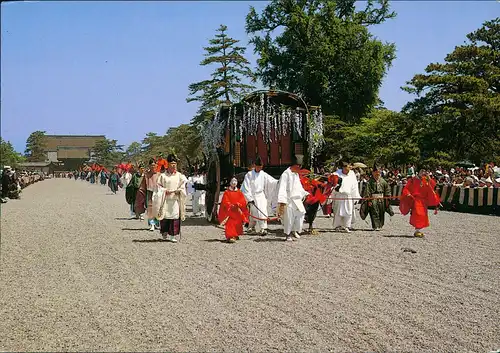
77 275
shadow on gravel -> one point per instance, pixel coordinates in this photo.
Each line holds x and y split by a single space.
280 239
196 221
216 241
400 236
136 229
126 219
149 241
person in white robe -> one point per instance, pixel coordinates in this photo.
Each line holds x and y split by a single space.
190 190
258 187
291 195
125 179
190 186
170 201
345 213
199 195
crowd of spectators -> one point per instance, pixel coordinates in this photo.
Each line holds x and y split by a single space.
487 176
12 182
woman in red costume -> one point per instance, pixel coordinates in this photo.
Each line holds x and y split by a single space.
417 196
161 165
233 212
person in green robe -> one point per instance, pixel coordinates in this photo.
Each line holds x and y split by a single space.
376 189
133 187
113 180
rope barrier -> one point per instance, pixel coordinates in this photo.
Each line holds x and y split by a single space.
364 198
269 219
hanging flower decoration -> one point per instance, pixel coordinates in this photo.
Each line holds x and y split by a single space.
272 119
212 135
316 139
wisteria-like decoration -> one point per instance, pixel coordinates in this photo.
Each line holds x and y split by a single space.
272 119
213 135
316 139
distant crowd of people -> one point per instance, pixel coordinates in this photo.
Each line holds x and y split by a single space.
14 181
487 176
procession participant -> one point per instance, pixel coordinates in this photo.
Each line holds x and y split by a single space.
258 186
329 188
250 225
127 175
348 192
376 189
104 176
233 212
199 195
190 186
315 189
113 180
417 195
172 200
92 174
290 195
97 172
132 189
148 186
161 164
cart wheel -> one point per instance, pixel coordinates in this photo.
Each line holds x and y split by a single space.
213 191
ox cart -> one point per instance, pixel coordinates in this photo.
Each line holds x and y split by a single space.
272 125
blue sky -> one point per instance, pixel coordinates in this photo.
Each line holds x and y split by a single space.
122 68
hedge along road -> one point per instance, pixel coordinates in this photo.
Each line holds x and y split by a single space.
76 275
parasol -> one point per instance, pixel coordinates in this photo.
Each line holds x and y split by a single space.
359 165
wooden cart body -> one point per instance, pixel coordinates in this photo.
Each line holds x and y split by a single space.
272 125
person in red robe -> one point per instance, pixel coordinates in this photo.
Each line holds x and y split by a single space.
161 165
312 202
233 212
417 195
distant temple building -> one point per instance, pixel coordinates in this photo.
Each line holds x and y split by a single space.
65 152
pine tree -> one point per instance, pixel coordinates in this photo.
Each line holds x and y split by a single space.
227 81
458 104
35 147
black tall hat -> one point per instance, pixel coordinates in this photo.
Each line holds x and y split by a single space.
375 168
171 158
258 161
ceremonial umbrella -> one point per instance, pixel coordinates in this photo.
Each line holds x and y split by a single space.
359 165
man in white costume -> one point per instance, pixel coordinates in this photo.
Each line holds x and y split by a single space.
345 213
169 203
258 187
125 180
126 177
199 195
291 195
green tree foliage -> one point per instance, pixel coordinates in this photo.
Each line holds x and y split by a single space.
152 146
185 141
457 112
133 152
35 147
324 52
8 155
383 136
227 82
107 152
